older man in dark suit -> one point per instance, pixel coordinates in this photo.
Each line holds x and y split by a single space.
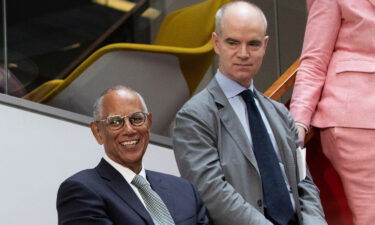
238 146
119 191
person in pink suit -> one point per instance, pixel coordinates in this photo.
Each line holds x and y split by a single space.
335 91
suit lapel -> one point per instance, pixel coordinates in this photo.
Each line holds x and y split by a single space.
279 131
231 122
162 190
119 185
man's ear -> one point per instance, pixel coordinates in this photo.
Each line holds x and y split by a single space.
149 120
96 132
266 39
215 42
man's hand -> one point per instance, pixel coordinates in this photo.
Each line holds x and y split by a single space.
301 134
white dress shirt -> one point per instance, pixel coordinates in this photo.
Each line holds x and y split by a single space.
128 174
232 90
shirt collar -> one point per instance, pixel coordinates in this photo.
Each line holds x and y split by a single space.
127 173
230 87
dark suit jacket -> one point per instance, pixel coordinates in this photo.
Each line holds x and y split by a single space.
101 196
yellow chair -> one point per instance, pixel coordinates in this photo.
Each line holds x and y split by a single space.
165 73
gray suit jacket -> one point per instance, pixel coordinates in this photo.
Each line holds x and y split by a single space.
213 151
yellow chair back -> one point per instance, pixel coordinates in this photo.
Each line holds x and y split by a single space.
189 27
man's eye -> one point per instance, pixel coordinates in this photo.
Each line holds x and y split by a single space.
255 43
136 119
232 43
115 122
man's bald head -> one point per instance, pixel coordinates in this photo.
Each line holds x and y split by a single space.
98 105
236 8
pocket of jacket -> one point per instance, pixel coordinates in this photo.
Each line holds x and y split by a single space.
355 66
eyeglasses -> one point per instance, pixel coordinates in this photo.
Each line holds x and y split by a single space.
116 122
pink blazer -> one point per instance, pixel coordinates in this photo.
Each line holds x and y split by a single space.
335 84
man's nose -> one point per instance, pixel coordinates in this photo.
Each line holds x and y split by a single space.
128 129
243 52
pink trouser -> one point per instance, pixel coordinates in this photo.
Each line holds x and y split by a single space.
352 153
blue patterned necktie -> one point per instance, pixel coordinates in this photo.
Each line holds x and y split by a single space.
154 204
278 205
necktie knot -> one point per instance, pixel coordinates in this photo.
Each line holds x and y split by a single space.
139 182
247 95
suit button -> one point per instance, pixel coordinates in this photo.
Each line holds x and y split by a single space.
260 204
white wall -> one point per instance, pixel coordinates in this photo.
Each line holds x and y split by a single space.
38 152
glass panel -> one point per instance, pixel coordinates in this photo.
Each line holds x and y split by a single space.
47 39
286 27
292 17
268 72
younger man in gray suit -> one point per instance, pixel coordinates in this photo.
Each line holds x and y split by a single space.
238 146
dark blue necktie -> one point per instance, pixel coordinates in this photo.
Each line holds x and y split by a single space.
278 205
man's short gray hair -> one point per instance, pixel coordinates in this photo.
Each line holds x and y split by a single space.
98 105
221 11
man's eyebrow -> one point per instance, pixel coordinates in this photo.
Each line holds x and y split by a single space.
231 39
255 42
